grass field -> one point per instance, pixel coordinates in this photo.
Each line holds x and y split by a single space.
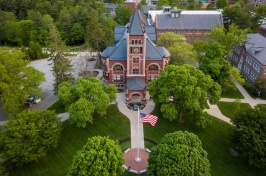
214 140
228 108
232 94
57 161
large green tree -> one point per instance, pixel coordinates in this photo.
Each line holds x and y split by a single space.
182 53
62 69
184 89
248 137
99 156
17 80
123 14
220 4
179 153
169 38
200 47
214 64
86 98
29 135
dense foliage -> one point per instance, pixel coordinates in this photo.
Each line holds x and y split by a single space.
85 98
184 89
99 156
248 138
29 135
179 153
18 80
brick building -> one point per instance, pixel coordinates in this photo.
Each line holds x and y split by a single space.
193 24
134 60
250 58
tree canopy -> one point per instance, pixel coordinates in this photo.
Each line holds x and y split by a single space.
122 14
99 156
248 137
169 38
18 80
29 135
179 153
85 98
184 89
182 53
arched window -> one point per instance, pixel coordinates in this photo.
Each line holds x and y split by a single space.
139 41
136 41
132 42
135 60
118 68
153 67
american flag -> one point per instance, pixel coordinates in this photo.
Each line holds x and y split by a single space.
148 118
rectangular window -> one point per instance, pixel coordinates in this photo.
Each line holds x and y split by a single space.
265 71
131 50
189 31
118 78
197 38
198 31
140 50
189 39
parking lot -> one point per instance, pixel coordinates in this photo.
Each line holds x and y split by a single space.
80 63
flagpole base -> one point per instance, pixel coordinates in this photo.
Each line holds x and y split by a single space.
138 159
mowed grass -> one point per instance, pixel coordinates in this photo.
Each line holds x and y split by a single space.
214 140
58 107
228 108
57 161
232 94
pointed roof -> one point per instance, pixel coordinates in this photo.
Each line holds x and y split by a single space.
135 27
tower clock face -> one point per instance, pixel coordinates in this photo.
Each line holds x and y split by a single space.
136 50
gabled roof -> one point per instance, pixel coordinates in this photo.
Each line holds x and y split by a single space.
152 53
164 51
151 32
135 27
119 32
189 20
256 47
136 83
117 52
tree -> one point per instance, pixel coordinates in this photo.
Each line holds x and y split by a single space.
18 80
248 137
99 156
76 34
200 47
210 7
162 3
220 4
260 85
122 14
184 89
169 38
182 53
228 38
62 69
179 153
86 98
29 135
239 15
5 17
214 64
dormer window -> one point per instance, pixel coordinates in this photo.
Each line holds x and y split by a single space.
175 15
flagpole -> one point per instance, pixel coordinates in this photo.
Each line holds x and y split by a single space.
138 159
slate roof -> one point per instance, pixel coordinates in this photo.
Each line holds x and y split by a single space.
135 27
152 53
119 50
200 21
256 47
136 83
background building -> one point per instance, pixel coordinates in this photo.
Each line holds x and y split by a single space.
193 24
134 60
250 58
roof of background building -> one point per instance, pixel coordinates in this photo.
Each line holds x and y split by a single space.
256 46
136 83
189 20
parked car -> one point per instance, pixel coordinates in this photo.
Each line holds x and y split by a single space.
33 99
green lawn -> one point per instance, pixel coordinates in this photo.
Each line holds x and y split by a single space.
232 94
58 107
214 140
228 108
57 161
